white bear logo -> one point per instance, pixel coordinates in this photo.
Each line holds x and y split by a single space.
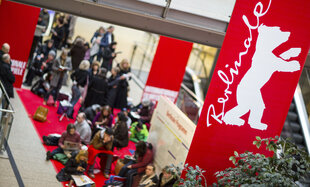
264 64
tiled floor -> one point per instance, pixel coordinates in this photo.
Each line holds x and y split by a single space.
28 151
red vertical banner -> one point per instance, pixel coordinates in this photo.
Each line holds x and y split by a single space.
18 23
256 74
167 69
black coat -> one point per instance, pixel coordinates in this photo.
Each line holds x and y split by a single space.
71 167
122 89
77 54
121 134
113 84
7 78
45 50
60 30
97 91
80 76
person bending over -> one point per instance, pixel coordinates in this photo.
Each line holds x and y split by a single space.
150 178
139 132
101 145
70 136
103 119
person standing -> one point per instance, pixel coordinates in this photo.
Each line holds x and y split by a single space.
77 53
4 50
122 89
97 89
58 32
108 56
6 76
60 68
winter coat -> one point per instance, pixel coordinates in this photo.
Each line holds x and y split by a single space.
80 76
60 75
97 142
170 183
7 78
97 91
111 96
121 134
77 54
60 30
122 89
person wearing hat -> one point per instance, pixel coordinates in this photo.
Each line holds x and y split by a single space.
40 67
101 145
146 111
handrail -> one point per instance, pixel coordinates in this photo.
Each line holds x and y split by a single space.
8 111
192 94
6 95
303 117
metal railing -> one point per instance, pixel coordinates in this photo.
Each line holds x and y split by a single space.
6 118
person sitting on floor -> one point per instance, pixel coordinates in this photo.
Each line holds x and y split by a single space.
42 86
150 178
167 178
70 136
144 155
139 132
76 165
83 128
103 119
120 131
91 112
101 145
39 67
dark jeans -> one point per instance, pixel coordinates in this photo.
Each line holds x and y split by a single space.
76 94
104 158
57 150
128 173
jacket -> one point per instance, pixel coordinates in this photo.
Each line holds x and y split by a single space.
142 162
72 165
138 136
57 75
7 78
97 142
121 134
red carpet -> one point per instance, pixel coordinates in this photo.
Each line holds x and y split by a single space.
52 125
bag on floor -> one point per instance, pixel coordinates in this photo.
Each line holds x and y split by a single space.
40 114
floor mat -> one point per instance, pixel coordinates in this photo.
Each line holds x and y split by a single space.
52 125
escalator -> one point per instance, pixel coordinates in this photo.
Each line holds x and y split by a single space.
296 127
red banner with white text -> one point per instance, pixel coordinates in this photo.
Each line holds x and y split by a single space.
18 23
253 84
167 69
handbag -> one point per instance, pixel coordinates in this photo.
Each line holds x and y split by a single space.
40 114
50 100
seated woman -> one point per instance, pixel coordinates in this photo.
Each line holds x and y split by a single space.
103 119
70 136
101 145
41 87
121 131
167 178
76 165
139 132
144 156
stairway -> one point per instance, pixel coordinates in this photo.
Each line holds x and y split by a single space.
292 129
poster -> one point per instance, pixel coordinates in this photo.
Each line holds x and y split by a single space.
254 80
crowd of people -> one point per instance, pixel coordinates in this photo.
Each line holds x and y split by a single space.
96 131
